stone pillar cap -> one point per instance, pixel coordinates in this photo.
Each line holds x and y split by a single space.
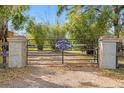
17 38
109 38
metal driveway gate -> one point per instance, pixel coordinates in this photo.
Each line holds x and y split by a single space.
4 54
119 54
1 57
43 51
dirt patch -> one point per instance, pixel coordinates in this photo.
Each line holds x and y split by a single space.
43 76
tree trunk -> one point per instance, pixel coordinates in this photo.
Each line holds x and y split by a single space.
116 21
3 34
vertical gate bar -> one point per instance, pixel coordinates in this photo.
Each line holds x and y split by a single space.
71 45
94 50
4 53
62 56
117 45
97 56
27 52
4 57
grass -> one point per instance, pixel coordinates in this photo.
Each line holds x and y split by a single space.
73 51
29 49
116 73
8 74
121 60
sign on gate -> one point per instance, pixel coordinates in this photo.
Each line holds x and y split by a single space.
63 44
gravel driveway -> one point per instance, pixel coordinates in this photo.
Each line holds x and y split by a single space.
62 77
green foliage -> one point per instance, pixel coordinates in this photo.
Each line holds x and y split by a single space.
87 26
60 9
18 21
55 33
15 14
109 16
38 32
45 31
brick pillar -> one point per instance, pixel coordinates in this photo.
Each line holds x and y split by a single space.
107 52
17 51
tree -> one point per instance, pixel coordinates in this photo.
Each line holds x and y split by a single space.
86 25
39 32
56 33
114 13
117 18
16 16
87 28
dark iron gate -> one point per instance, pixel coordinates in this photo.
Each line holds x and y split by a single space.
119 55
43 51
4 54
1 58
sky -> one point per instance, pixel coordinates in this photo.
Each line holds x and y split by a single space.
43 13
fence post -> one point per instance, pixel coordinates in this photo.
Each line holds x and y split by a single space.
107 52
17 51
